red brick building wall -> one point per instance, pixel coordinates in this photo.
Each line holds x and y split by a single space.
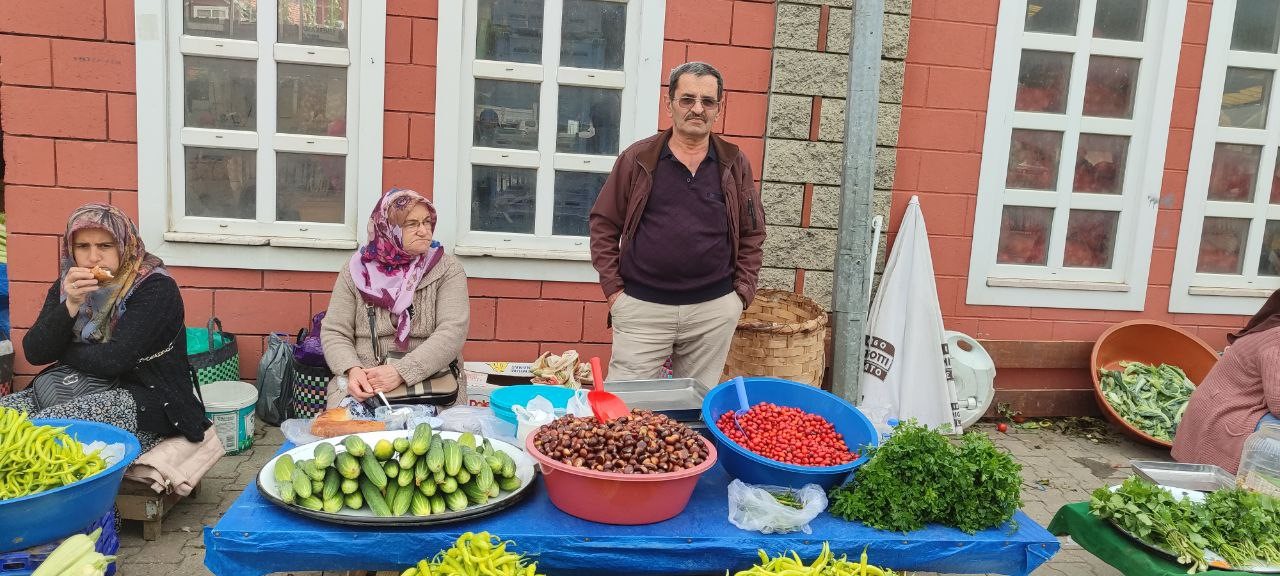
940 144
68 117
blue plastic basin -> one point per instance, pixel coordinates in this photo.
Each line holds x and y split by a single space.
53 514
753 468
503 399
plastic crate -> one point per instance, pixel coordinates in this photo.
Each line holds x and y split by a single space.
24 562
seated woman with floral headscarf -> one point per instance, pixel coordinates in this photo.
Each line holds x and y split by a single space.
114 313
418 298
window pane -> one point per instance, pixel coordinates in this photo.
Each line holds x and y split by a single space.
314 22
1244 98
502 199
506 114
311 100
221 183
235 19
1255 25
1052 16
1024 235
575 194
219 93
1100 164
594 34
1269 264
310 187
1043 78
1108 91
1033 159
588 120
1222 245
1234 171
1091 238
510 30
1120 19
1275 185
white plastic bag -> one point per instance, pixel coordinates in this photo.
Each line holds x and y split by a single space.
110 453
529 417
755 508
476 420
579 406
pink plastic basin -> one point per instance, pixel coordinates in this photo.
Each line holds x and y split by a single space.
614 498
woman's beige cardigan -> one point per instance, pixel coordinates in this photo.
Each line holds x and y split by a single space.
441 315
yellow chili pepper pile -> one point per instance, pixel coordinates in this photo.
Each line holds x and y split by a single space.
38 458
474 554
826 564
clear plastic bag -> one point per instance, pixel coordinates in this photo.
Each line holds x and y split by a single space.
476 420
755 507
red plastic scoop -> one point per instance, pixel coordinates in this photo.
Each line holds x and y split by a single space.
604 405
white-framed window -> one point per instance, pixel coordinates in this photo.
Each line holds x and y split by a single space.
548 92
1228 258
1077 119
260 129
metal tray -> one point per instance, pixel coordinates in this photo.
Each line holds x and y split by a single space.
1215 560
678 398
1200 477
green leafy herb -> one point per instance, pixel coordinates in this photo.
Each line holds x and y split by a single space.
919 476
1151 398
1237 524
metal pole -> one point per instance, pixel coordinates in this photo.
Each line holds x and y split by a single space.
853 263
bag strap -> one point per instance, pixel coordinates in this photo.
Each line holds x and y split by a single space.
212 322
373 333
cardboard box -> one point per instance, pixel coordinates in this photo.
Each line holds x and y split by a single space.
485 377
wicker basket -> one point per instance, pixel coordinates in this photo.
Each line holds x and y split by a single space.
783 335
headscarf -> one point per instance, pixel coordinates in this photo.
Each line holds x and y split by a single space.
103 308
1268 317
383 272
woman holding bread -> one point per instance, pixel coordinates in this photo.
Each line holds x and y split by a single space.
413 294
113 318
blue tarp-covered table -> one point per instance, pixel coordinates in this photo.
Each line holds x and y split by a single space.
257 537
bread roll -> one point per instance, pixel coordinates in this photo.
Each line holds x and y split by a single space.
338 422
102 275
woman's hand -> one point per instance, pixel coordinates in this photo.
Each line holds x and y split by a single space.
384 378
358 386
78 283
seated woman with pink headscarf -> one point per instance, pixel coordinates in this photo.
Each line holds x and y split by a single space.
416 296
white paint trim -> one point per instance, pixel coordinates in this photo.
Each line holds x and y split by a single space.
1122 287
1240 294
158 57
526 256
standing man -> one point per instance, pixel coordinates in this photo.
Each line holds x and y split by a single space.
676 236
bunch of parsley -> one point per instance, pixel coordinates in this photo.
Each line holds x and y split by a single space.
919 476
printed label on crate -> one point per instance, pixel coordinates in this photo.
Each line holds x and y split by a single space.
518 369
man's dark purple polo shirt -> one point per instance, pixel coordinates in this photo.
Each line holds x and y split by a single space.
680 253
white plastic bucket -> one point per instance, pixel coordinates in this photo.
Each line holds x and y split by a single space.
229 404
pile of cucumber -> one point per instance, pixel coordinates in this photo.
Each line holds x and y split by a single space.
422 474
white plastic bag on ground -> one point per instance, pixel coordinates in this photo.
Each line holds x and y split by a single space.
905 369
755 508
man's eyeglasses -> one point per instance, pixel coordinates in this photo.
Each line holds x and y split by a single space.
687 102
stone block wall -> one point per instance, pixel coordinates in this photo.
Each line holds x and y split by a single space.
804 137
